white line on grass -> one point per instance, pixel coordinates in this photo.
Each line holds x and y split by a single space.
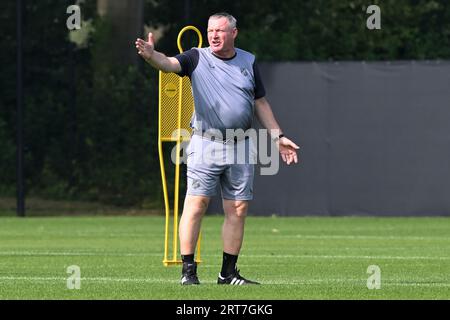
290 256
95 279
362 237
291 282
276 256
76 253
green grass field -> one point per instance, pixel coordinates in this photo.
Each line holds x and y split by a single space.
294 258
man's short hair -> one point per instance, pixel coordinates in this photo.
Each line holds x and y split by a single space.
231 20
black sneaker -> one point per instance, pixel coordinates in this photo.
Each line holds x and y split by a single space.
235 279
189 274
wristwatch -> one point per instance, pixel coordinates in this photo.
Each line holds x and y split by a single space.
281 135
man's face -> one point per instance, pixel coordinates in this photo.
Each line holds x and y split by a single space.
221 36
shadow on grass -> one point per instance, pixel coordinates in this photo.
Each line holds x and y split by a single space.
38 207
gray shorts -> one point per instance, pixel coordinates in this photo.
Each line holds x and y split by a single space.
213 163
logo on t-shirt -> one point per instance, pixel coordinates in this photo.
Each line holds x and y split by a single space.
195 184
244 72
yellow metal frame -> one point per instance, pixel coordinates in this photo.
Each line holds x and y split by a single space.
182 111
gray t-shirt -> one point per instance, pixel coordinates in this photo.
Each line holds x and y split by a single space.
224 90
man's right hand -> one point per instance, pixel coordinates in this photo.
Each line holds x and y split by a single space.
156 59
146 49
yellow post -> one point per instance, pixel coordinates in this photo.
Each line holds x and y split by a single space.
175 98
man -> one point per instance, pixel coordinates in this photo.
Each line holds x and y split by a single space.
227 90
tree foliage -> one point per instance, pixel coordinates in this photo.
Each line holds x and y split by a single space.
91 124
321 30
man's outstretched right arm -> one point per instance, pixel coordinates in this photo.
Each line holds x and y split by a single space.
156 59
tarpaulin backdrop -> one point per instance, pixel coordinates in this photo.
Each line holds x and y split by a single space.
374 138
